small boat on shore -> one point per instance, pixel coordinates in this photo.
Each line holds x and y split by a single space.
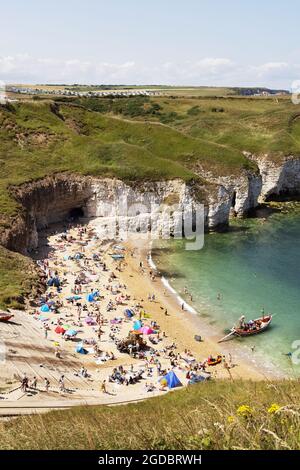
5 316
211 361
251 328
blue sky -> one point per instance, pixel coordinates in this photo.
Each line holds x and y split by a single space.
187 42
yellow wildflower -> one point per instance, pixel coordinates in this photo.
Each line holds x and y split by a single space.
230 419
273 408
245 411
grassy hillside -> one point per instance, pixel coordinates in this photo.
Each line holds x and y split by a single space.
17 277
258 125
39 138
217 415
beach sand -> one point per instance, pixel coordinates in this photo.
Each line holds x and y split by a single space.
30 352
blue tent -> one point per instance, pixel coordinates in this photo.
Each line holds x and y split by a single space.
45 308
172 380
90 297
80 349
71 332
129 313
137 325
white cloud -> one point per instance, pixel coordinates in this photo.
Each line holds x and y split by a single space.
216 71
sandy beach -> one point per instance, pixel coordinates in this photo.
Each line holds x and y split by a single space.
37 350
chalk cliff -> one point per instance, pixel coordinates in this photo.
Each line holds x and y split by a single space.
137 207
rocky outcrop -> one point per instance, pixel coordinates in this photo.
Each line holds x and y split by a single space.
236 195
281 178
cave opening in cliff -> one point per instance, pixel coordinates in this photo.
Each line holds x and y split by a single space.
76 213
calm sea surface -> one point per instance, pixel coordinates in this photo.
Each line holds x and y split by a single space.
255 266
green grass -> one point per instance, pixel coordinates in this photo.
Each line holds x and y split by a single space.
204 416
17 279
38 138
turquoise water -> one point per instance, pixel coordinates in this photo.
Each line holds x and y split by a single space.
255 266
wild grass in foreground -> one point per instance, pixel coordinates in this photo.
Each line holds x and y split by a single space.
216 415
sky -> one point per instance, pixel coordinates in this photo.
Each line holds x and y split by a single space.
171 42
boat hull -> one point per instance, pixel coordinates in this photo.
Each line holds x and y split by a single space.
265 324
4 318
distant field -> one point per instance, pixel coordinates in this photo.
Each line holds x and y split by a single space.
166 90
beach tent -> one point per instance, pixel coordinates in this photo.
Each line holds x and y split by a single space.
71 332
146 330
129 313
90 321
59 330
91 296
80 349
45 308
172 380
137 325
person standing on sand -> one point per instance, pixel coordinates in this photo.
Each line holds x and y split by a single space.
62 384
34 383
103 387
79 310
99 334
227 367
47 384
24 383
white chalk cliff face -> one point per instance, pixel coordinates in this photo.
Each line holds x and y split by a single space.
282 178
235 195
138 207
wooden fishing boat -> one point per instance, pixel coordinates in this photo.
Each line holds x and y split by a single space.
258 326
5 316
